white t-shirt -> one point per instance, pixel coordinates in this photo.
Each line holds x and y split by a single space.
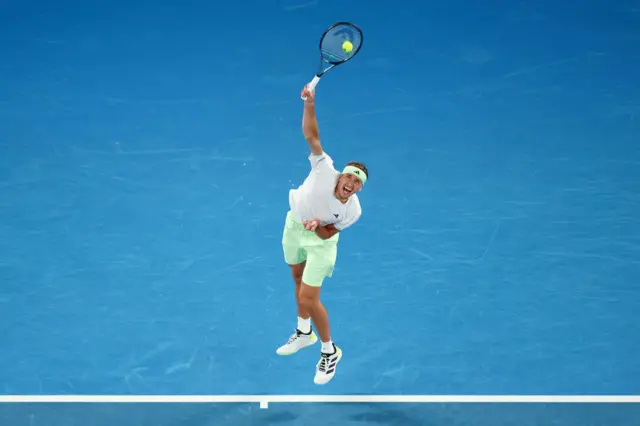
315 198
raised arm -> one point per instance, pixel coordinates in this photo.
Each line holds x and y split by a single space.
310 123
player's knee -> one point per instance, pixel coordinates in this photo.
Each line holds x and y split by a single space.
307 303
308 297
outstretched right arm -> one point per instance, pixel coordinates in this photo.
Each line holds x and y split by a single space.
310 123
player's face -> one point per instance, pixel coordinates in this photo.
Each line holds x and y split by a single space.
348 185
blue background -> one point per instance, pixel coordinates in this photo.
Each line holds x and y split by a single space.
147 149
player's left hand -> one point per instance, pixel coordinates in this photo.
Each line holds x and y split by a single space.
311 225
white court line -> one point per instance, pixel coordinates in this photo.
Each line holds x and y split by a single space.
264 400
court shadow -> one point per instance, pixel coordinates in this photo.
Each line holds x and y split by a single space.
378 414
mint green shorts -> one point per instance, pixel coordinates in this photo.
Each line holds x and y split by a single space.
301 245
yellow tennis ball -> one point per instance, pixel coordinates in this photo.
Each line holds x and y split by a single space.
347 46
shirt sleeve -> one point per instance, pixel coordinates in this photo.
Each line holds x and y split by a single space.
321 162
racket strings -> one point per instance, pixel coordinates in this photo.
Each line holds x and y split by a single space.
331 45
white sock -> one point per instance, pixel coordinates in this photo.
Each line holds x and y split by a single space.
304 325
327 347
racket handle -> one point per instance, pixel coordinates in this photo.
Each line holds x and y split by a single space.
312 85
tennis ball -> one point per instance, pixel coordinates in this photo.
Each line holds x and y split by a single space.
347 46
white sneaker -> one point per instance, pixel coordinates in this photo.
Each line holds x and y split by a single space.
326 368
297 341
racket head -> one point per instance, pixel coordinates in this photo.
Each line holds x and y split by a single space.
332 39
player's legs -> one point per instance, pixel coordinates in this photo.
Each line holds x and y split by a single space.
311 260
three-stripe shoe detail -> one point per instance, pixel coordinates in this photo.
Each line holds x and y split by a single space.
326 367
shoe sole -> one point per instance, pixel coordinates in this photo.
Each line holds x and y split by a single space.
313 340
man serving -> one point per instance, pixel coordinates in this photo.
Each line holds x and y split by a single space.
324 205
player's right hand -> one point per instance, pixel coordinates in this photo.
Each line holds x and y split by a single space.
308 95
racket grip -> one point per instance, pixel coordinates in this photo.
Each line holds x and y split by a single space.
312 85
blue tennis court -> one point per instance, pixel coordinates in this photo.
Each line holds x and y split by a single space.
146 154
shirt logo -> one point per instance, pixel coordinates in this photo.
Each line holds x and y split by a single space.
336 215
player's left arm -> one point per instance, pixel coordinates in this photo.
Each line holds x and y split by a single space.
326 231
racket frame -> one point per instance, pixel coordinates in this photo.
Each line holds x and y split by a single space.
332 64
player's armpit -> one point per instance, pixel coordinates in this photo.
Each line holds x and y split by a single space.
326 231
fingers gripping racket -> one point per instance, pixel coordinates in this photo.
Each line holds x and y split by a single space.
339 43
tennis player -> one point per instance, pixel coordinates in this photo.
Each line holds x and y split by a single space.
323 206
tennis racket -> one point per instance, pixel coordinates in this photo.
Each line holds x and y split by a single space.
332 52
